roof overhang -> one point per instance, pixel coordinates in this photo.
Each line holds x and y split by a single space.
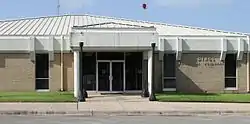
219 44
120 36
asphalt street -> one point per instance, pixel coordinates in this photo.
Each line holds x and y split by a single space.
123 120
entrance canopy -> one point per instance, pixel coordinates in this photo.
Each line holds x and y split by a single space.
113 36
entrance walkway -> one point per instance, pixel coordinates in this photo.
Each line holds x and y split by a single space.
123 105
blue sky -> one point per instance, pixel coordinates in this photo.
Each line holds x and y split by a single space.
229 15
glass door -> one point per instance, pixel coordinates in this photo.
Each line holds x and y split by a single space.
117 76
104 76
110 75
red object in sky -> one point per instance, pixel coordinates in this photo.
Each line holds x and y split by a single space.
144 6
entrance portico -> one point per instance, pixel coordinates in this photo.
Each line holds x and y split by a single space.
103 73
112 60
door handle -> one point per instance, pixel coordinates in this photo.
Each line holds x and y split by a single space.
111 78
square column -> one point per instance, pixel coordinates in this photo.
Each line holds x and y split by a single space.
76 73
150 61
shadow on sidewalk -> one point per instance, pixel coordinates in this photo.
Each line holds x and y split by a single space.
116 97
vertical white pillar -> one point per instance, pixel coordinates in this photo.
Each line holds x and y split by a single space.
76 73
150 59
248 64
248 72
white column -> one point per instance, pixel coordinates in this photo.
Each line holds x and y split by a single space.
149 71
248 64
76 73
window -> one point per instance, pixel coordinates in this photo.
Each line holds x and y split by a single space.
110 56
230 71
89 70
169 71
42 71
133 70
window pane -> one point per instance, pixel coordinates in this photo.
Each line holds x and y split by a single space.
169 83
42 84
42 65
230 65
89 70
90 81
230 82
134 70
110 55
169 65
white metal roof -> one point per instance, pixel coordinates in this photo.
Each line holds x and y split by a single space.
61 25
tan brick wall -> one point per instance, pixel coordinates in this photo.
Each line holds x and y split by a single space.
242 75
205 72
69 71
55 73
17 73
68 74
200 73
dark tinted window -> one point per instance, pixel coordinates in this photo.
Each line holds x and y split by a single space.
169 83
230 65
42 71
169 65
230 82
42 65
110 55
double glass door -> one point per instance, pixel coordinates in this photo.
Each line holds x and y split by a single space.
110 75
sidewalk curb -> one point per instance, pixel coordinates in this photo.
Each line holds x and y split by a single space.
125 113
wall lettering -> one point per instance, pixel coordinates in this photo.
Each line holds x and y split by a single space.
208 61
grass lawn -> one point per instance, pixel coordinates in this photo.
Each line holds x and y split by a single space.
36 97
183 97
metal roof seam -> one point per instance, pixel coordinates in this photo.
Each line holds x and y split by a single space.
58 21
8 27
46 28
33 24
42 26
60 25
14 27
2 24
71 23
19 27
51 26
5 25
37 26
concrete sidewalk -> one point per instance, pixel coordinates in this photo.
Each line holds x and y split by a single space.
123 105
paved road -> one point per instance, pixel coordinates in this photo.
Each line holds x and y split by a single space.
122 120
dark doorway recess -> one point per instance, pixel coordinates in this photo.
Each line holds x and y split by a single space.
89 70
134 70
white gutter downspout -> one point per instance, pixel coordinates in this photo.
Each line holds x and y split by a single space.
62 61
248 64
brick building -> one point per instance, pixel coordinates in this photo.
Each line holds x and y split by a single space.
43 54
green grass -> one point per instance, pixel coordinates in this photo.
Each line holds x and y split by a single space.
183 97
36 97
